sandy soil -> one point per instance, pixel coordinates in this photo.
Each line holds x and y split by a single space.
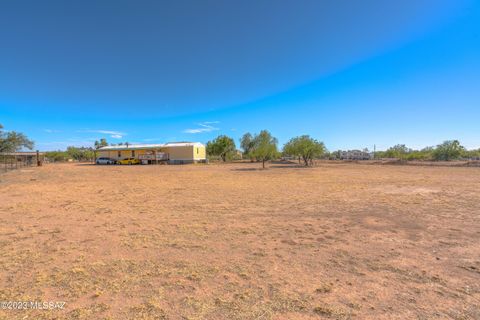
232 242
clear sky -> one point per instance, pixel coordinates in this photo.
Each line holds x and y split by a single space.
349 73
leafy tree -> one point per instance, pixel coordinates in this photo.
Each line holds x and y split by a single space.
102 143
335 155
472 154
264 147
99 144
398 151
74 153
247 144
222 146
56 156
12 141
80 154
448 150
304 147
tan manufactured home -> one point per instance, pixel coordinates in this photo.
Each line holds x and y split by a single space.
174 153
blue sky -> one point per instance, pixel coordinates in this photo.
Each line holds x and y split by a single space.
349 73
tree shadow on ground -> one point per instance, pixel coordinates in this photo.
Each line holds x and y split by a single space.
273 165
290 166
247 169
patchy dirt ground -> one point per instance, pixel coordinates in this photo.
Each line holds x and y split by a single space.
341 241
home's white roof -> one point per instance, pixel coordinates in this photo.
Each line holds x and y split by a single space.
152 146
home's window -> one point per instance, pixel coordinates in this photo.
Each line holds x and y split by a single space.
197 150
133 153
119 154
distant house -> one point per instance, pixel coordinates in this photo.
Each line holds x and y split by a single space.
238 154
173 153
355 155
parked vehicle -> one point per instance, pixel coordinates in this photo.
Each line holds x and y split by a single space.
104 160
129 161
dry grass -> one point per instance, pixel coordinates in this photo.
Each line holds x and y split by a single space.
228 242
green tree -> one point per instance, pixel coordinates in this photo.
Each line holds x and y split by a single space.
335 155
247 144
74 153
472 154
102 143
56 156
448 150
99 144
264 147
222 146
304 147
80 154
398 151
12 141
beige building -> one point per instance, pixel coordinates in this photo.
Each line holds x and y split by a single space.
173 153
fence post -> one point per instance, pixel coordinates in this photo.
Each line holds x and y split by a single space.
38 159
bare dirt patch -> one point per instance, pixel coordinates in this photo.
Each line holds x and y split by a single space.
229 242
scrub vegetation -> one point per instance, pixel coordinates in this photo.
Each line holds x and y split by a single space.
264 147
446 151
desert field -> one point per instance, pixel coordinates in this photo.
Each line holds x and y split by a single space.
230 241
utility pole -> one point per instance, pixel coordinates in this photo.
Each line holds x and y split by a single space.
374 151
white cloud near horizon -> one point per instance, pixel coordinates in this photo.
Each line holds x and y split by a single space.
113 133
206 126
51 130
